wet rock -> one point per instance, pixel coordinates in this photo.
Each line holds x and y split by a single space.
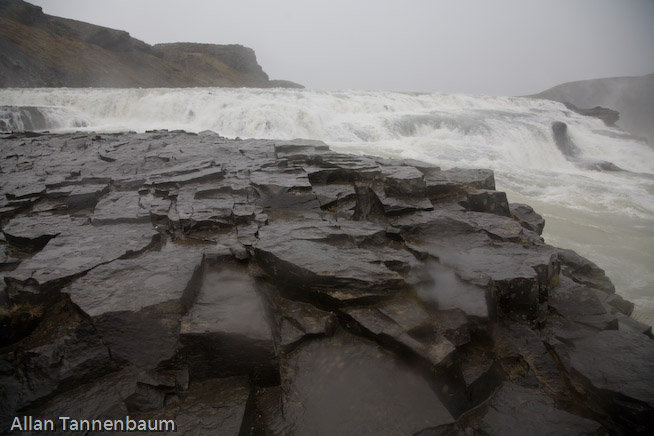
182 176
135 304
100 398
368 206
515 410
457 181
33 232
339 168
482 373
7 259
62 351
300 150
620 304
609 116
629 391
527 217
85 196
341 273
629 324
585 306
226 332
199 411
489 201
454 325
403 181
82 248
515 287
120 207
203 212
598 165
23 192
563 141
334 196
498 228
277 287
295 321
289 188
401 204
444 288
571 300
426 343
346 386
584 271
518 344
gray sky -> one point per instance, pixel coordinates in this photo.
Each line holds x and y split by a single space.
501 47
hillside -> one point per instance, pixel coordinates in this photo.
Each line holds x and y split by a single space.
39 50
633 97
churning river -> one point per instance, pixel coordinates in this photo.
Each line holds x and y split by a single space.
606 216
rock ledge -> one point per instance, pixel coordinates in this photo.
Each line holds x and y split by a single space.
276 287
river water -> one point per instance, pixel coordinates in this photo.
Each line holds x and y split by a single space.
607 217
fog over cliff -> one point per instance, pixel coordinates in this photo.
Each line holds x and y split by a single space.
505 47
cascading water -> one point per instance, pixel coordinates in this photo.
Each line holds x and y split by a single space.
605 216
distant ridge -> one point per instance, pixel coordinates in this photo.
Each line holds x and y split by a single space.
39 50
633 97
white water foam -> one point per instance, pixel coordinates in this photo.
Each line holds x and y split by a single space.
605 216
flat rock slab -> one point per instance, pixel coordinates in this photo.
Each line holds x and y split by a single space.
120 207
132 284
200 411
630 363
341 273
97 399
37 226
227 331
295 321
82 249
436 350
347 386
514 410
136 303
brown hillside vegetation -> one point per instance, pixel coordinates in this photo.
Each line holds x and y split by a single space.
39 50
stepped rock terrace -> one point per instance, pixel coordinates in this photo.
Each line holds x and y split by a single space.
276 287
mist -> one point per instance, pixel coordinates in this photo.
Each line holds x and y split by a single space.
506 47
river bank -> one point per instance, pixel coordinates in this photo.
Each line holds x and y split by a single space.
145 273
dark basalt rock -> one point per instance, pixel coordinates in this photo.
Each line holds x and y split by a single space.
584 271
348 386
226 331
527 217
609 116
563 141
629 390
276 287
489 201
515 410
570 150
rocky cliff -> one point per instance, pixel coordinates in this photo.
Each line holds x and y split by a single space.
632 97
39 50
275 287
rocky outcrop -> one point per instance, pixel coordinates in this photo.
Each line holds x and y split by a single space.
39 50
276 287
609 116
562 140
569 149
626 101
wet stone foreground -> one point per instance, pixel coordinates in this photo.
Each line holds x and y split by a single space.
277 288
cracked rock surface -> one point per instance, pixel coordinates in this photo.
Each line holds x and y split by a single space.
259 287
